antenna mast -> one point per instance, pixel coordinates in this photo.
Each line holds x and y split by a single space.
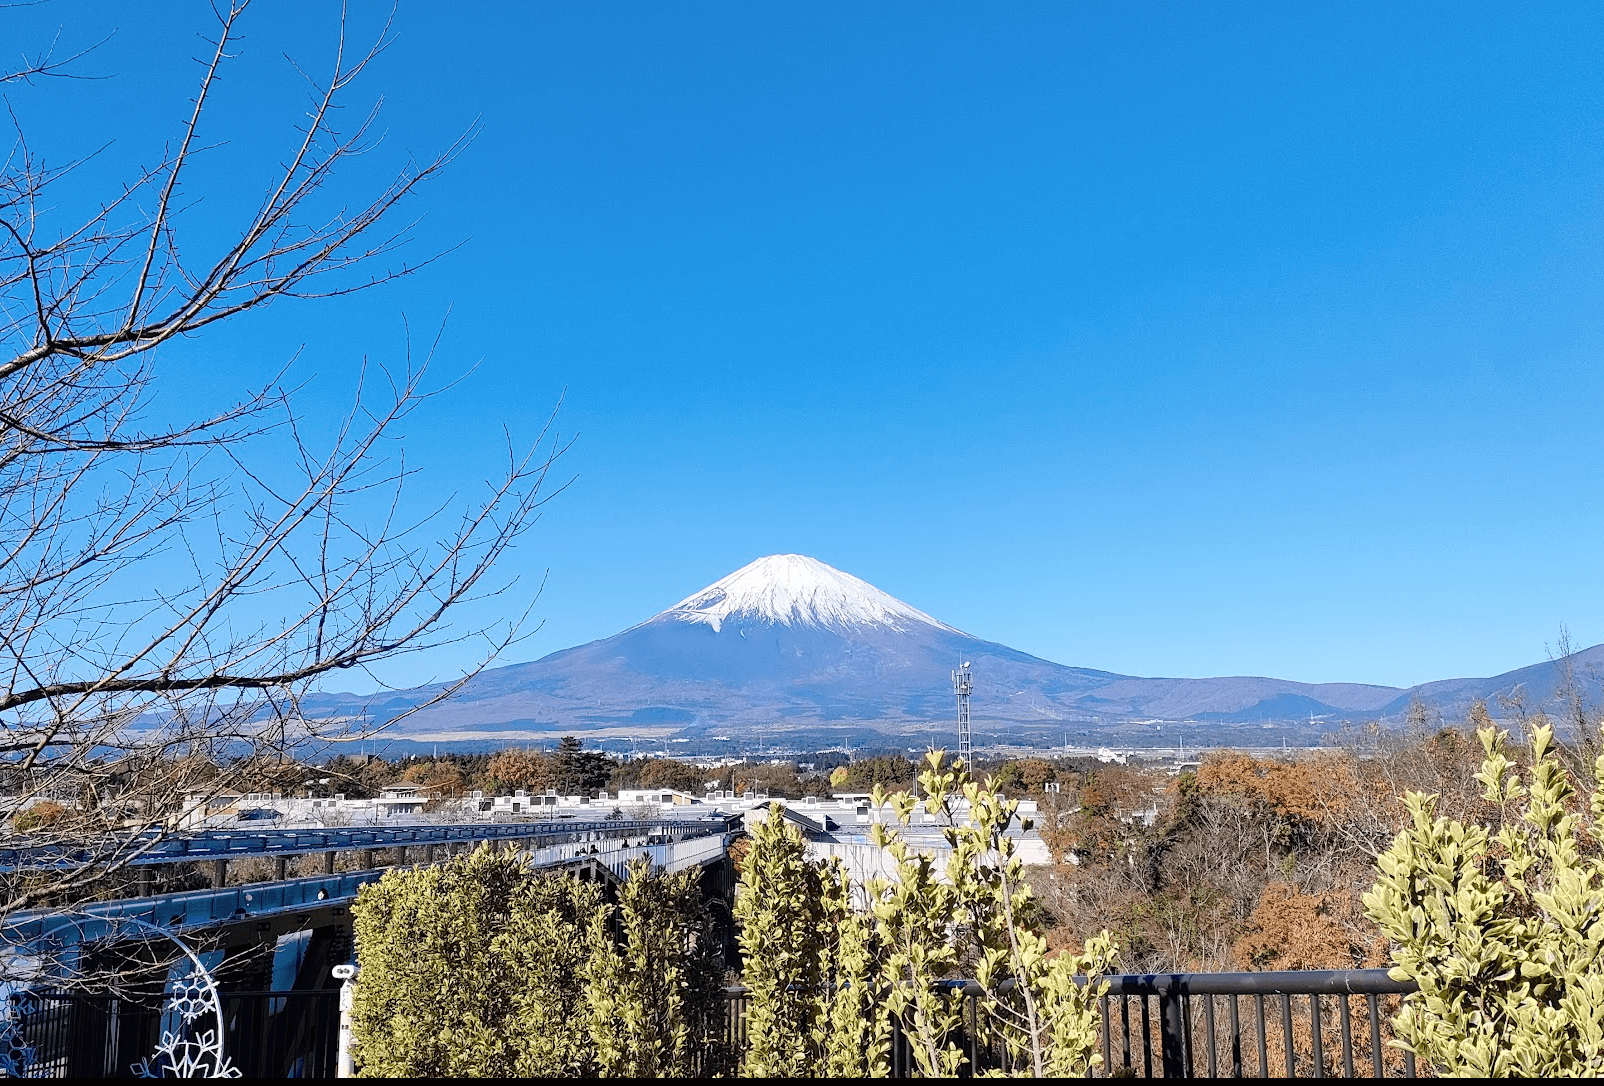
962 683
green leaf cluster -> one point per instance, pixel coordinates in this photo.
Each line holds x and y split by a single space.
1044 1006
657 1003
811 965
828 979
485 968
1501 929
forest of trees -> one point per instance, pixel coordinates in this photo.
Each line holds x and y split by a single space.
1244 863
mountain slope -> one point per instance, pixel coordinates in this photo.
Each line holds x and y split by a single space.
789 642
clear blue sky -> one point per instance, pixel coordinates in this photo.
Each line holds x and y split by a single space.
1180 339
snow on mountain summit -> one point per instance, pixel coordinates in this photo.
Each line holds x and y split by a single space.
795 590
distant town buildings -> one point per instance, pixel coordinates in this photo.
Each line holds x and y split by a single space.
838 826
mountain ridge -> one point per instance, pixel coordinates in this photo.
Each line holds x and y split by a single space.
791 643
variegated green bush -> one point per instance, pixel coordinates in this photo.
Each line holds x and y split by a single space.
1501 927
811 965
975 907
473 969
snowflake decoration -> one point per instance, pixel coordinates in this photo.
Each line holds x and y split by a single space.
191 996
17 1056
184 1054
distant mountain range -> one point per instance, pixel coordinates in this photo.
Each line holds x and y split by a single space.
788 646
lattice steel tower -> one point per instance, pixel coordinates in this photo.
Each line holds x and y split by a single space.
962 683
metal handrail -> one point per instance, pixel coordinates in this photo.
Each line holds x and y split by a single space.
1268 982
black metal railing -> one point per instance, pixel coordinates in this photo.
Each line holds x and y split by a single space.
1296 1024
265 1034
1292 1024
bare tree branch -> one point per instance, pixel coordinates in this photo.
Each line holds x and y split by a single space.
170 594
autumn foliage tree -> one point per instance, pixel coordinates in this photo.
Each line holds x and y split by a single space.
512 769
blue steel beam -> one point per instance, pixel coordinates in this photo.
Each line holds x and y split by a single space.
233 844
202 909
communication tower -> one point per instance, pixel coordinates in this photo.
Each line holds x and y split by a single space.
962 683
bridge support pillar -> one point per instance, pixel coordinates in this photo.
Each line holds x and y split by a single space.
328 863
281 868
367 859
219 874
147 881
428 854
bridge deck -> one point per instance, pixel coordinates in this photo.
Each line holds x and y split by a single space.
267 901
236 844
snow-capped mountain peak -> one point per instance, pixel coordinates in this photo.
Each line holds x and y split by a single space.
795 590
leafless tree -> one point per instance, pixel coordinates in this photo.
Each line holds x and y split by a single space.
170 592
1578 711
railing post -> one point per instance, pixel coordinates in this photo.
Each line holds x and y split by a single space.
344 1068
1172 1044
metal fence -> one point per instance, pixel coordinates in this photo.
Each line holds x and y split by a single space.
1294 1024
1303 1024
266 1034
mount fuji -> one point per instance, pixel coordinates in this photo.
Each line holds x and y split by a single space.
790 645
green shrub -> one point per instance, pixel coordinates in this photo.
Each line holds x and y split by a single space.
978 909
544 947
481 967
1501 929
655 993
473 968
827 979
811 964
